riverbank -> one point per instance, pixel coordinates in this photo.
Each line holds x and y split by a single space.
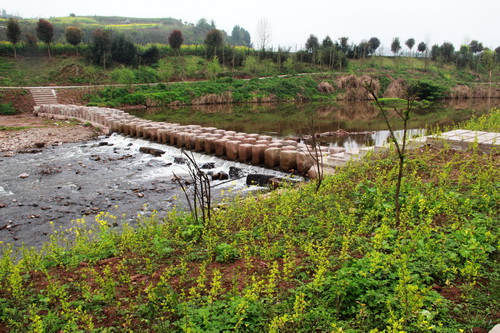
20 132
298 260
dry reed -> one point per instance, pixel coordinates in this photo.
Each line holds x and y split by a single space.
354 87
325 87
397 89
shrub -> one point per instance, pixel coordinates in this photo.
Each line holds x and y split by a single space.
430 90
7 109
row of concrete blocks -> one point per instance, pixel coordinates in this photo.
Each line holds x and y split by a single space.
256 149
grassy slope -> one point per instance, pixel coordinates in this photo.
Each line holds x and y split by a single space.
290 261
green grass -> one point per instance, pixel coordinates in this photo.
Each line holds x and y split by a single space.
295 260
13 128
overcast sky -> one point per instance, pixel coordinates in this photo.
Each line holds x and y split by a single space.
292 21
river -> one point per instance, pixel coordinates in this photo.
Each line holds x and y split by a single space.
293 120
64 183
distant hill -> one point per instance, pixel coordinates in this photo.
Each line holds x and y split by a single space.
138 30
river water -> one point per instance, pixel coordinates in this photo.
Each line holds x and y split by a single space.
293 120
71 181
64 183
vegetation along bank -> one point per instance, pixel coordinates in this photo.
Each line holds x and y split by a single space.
298 260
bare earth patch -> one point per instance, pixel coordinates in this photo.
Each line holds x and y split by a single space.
27 131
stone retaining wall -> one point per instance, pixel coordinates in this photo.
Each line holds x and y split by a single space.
286 155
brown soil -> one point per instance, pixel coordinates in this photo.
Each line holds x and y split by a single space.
21 99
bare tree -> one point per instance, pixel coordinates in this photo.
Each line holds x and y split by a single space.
198 195
263 33
403 109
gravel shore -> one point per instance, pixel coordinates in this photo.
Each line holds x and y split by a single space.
35 132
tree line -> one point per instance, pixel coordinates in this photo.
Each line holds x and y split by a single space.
106 46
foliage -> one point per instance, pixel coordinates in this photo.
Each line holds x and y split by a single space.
374 43
45 32
214 42
429 90
74 35
175 40
13 33
410 42
7 109
296 260
395 46
123 51
312 43
101 47
422 47
275 89
123 75
165 71
240 37
150 56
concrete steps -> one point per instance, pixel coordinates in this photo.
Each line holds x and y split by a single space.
43 96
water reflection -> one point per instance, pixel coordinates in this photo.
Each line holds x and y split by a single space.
292 120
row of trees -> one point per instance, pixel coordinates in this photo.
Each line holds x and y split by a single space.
142 33
333 53
106 47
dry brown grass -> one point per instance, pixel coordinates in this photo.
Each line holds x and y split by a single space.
478 91
396 89
354 87
326 88
224 98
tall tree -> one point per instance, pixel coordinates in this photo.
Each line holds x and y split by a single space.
45 32
343 44
13 33
264 33
395 46
214 41
373 43
151 55
422 47
448 51
312 43
327 42
74 36
240 36
101 47
476 46
436 52
175 40
410 42
123 51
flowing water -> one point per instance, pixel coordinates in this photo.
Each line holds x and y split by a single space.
64 183
71 181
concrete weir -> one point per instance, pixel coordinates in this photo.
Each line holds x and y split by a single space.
285 155
243 147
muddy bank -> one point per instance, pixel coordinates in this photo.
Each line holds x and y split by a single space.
66 182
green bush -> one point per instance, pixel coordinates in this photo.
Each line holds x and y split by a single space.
430 90
7 109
